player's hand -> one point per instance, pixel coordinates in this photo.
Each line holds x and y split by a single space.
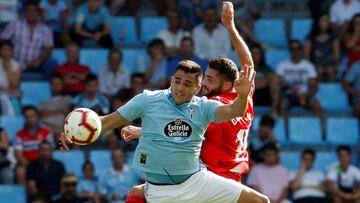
130 132
62 143
245 81
227 14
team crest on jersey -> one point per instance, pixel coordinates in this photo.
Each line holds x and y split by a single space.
178 130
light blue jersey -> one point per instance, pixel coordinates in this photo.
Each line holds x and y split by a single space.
171 134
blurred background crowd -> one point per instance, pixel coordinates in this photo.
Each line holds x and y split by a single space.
57 55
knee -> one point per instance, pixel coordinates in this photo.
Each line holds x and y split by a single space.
137 190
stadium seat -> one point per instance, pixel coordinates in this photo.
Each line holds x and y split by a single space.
305 131
300 28
150 26
123 30
324 160
342 131
11 125
333 98
72 160
59 55
34 92
130 56
94 58
271 31
101 160
290 160
12 193
273 57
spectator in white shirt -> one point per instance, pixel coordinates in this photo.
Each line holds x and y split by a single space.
298 80
173 34
210 37
308 184
341 11
114 76
344 178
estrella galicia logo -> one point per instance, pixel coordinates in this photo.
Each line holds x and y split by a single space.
178 130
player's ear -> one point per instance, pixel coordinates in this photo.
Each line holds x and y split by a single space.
227 86
197 89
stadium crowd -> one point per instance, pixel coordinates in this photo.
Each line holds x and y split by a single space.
287 93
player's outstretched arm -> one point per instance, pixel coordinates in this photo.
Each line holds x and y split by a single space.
242 86
242 51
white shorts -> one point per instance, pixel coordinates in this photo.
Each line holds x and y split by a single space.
202 187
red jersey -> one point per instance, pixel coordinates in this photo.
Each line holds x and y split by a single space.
29 143
224 148
69 68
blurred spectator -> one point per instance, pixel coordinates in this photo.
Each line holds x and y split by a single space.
210 37
73 73
6 173
186 53
115 182
341 11
33 41
307 183
264 83
123 7
10 76
54 110
38 199
91 98
192 10
153 65
351 40
43 176
323 49
298 81
28 141
162 6
114 76
351 84
269 177
173 34
264 137
344 178
87 185
246 27
8 12
92 23
55 15
317 7
68 191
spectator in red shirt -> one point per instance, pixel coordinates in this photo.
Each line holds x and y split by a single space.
73 73
28 141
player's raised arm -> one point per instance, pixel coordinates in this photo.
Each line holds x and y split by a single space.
242 51
242 86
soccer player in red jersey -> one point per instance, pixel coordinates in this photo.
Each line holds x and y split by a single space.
224 150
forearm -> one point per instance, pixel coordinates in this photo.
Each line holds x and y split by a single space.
112 121
82 32
242 50
230 111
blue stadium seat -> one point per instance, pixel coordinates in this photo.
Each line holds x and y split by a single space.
101 160
150 26
34 92
305 131
333 98
290 160
130 56
342 131
123 30
300 28
72 160
12 193
94 58
11 125
324 160
274 56
59 55
271 31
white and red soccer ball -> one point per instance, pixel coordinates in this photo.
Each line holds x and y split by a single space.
82 126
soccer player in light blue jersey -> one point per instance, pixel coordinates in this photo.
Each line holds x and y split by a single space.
173 125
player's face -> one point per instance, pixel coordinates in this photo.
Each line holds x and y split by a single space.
184 86
212 83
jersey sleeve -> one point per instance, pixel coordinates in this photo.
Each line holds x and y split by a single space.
210 108
134 108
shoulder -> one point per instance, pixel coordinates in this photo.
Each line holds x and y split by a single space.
307 63
354 169
199 28
284 64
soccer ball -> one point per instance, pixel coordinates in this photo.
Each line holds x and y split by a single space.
82 126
